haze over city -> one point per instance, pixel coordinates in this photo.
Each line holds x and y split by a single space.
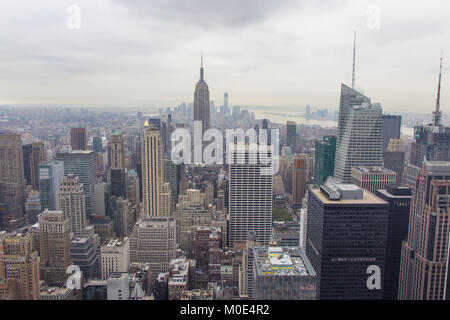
265 53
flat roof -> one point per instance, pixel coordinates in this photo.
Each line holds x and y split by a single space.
368 198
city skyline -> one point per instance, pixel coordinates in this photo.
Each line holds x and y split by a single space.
119 56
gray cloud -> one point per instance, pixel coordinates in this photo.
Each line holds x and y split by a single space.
286 52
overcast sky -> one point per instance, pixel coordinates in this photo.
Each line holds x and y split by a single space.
263 52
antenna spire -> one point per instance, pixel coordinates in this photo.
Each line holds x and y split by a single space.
437 113
201 67
354 60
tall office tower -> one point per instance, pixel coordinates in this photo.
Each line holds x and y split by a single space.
12 180
117 160
165 199
325 152
291 136
97 144
27 149
347 232
50 176
359 140
118 182
82 164
250 193
299 180
99 196
171 176
201 102
33 155
33 207
122 212
19 267
115 256
391 128
71 202
78 139
399 200
38 156
54 241
152 170
153 241
373 178
133 188
394 158
424 254
83 254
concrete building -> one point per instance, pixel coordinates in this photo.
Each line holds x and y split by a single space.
186 220
19 267
373 178
153 241
114 256
283 274
118 286
117 160
165 200
71 202
54 240
152 170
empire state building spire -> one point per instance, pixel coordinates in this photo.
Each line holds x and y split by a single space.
201 69
201 100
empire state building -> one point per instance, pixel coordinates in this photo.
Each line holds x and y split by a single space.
201 101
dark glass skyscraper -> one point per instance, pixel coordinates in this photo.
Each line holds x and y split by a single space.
399 199
391 129
346 234
291 136
325 152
